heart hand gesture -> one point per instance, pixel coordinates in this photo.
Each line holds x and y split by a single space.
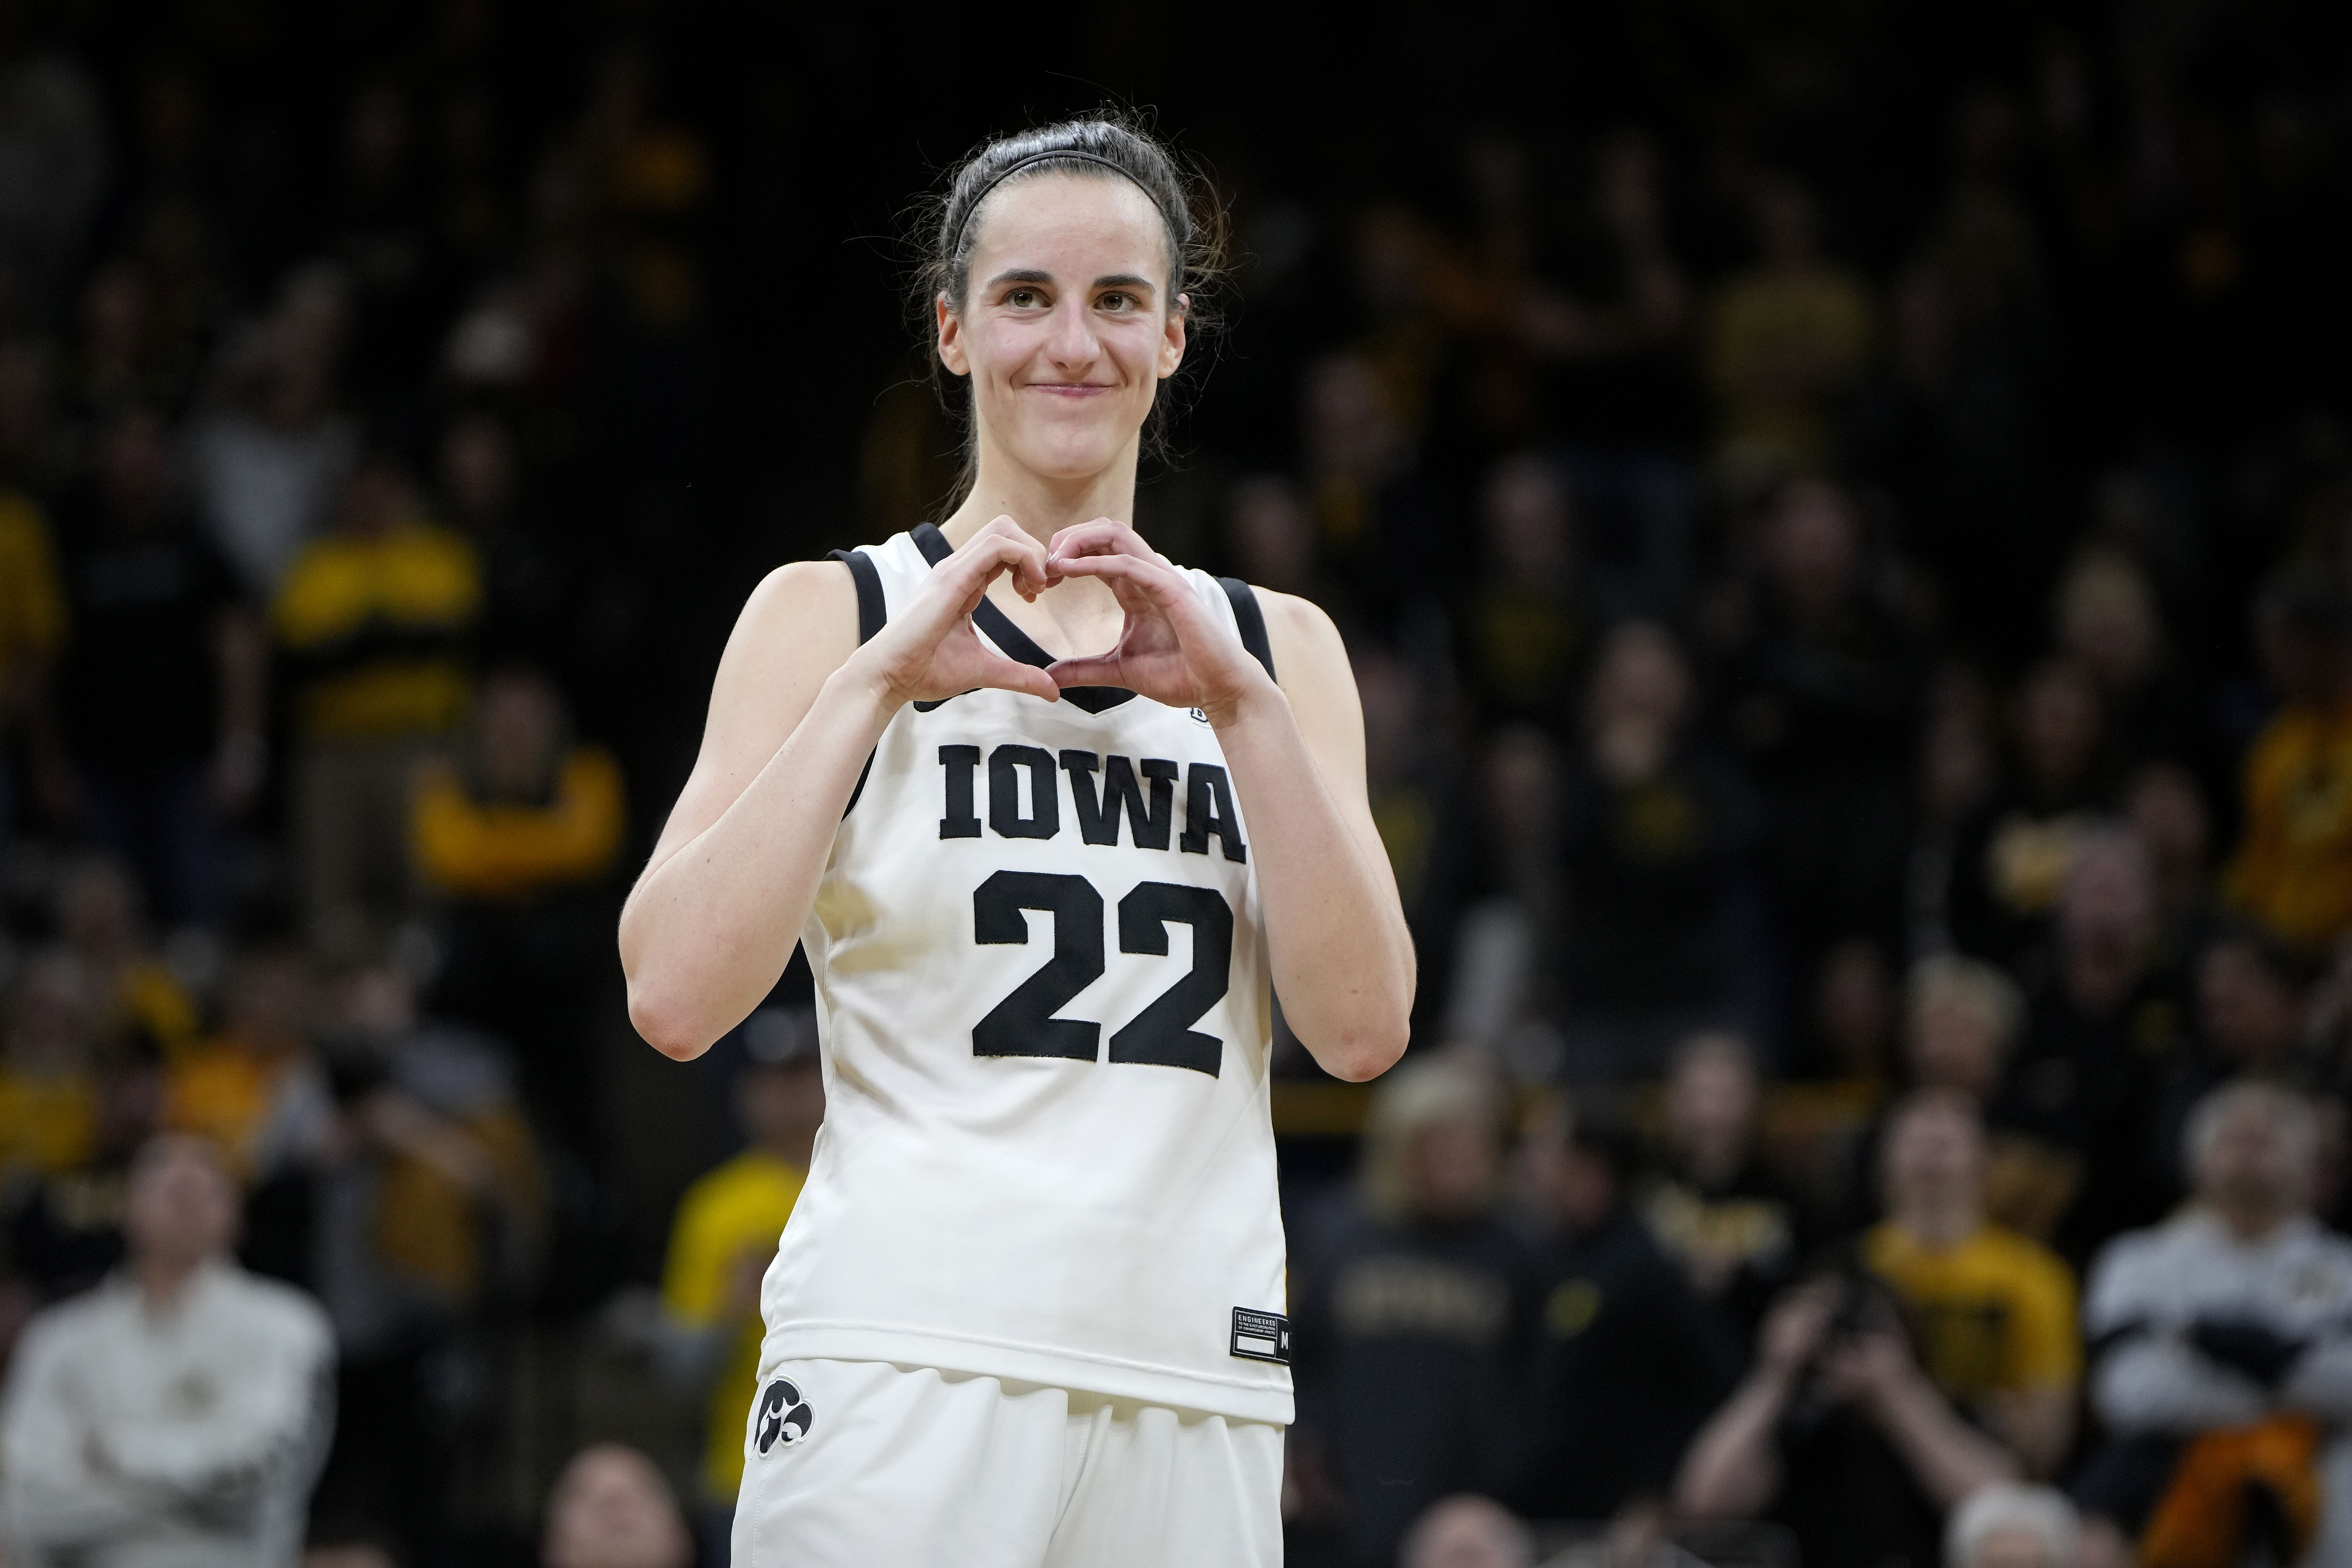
1172 649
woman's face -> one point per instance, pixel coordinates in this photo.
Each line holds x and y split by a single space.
1067 326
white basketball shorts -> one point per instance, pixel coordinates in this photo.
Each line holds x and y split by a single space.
853 1464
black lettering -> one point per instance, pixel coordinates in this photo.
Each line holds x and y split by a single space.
1146 826
1209 808
1024 1025
1162 1034
959 762
1044 818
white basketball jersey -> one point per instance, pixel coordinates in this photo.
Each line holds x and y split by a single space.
1042 991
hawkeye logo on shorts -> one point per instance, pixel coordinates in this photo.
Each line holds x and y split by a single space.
1261 1336
783 1417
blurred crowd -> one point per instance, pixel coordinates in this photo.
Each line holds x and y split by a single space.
1858 698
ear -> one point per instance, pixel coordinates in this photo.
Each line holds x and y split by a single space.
1172 344
950 332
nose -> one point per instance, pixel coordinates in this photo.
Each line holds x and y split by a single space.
1072 344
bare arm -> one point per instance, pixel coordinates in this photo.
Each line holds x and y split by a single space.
1343 961
796 709
1733 1467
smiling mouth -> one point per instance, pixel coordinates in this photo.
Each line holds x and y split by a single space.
1070 388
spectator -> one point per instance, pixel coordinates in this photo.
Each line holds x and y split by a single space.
2101 1033
2225 1352
612 1509
1993 1313
1784 342
1838 1435
32 630
1527 624
2109 623
425 1202
1622 1332
162 686
723 1238
514 836
48 1080
2166 811
2292 870
1415 798
2006 1525
62 1229
255 1089
176 1414
268 462
1654 837
1423 1289
1468 1531
1853 1015
1962 1020
1819 693
1734 1229
1269 538
2011 859
140 1007
1378 525
375 618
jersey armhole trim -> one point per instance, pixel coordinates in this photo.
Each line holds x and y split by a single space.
873 612
1249 620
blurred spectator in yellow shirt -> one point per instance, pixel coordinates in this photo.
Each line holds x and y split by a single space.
1993 1311
256 1088
48 1085
140 1007
726 1232
32 629
1784 341
515 836
375 619
2294 867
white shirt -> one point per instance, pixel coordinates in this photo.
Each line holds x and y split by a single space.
2295 1281
183 1439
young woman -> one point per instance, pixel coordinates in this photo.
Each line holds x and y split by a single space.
1049 812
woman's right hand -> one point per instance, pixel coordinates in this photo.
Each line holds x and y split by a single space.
930 652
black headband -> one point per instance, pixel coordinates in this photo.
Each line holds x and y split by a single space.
1055 156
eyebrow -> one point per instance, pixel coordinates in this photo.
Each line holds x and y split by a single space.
1033 275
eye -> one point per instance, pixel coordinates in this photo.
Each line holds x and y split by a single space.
1116 300
1024 299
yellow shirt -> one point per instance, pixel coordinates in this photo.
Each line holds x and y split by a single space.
224 1093
740 1206
48 1121
2293 872
1995 1314
499 850
32 600
1776 343
383 617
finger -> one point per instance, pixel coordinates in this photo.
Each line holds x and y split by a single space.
1011 675
1093 669
987 556
1163 583
1101 537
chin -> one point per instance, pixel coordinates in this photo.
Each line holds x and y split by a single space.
1074 456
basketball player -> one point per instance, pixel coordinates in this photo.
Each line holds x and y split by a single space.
1048 813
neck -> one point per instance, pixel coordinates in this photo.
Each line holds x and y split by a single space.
2249 1221
1939 1223
161 1279
1043 504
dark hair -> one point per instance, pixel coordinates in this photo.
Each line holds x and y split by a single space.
1107 145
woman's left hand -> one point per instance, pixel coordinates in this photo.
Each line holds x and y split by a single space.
1172 647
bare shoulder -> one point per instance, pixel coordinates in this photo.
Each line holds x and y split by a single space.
798 615
1308 651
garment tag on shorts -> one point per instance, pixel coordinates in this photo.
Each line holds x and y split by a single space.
1261 1336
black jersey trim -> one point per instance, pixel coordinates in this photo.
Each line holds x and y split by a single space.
873 612
1017 644
1249 619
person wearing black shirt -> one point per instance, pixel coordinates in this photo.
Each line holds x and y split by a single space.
1628 1361
161 686
1413 1318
